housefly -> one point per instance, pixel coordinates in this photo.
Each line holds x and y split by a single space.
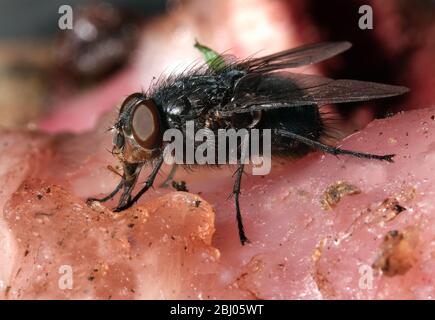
253 93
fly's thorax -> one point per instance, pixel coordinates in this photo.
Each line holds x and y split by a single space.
192 96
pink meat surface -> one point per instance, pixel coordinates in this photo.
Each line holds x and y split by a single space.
376 242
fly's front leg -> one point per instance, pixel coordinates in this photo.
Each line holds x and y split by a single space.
170 176
236 192
128 181
128 202
110 195
131 173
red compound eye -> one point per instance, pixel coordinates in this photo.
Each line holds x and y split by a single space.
145 125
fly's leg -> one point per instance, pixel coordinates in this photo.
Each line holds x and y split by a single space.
126 193
127 202
128 181
110 195
170 176
236 192
333 150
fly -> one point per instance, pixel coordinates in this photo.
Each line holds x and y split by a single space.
256 93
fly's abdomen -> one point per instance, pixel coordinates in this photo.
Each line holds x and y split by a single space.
305 121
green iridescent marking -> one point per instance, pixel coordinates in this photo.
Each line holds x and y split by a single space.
214 60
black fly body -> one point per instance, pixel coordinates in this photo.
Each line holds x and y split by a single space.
254 93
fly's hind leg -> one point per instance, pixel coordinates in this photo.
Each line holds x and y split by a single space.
333 150
236 192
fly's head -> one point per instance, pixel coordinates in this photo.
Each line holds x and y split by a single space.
137 134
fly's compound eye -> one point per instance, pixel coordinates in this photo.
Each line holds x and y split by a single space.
145 125
130 101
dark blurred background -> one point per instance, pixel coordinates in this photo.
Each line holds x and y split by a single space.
45 71
29 19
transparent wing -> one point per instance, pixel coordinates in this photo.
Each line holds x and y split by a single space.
296 57
284 89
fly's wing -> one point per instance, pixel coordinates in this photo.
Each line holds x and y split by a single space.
296 57
284 89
